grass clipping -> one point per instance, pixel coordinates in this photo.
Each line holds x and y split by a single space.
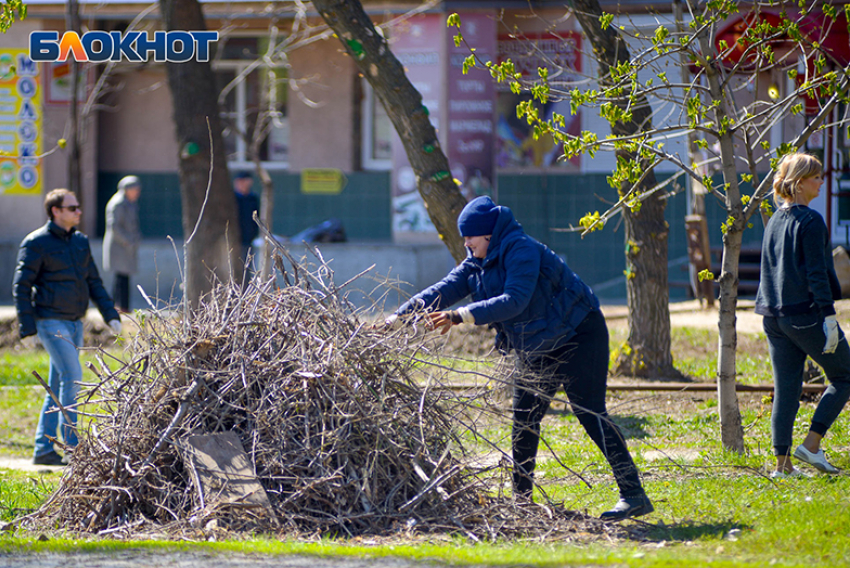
342 439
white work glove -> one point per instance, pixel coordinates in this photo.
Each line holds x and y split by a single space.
830 329
115 326
393 322
30 342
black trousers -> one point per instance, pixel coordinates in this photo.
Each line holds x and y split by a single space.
581 367
121 292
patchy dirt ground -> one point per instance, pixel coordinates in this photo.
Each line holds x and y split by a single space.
95 332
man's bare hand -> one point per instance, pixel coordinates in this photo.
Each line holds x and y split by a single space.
440 320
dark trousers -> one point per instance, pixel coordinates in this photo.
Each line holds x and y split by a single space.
790 339
581 367
121 292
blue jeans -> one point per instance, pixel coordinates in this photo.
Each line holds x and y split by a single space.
790 339
61 339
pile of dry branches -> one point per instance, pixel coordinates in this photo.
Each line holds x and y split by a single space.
336 431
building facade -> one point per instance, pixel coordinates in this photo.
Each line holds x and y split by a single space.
331 149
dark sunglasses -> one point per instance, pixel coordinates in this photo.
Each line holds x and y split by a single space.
71 208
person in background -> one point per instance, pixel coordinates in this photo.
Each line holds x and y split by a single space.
122 238
796 295
54 279
247 202
551 319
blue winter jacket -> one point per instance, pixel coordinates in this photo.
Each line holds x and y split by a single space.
521 288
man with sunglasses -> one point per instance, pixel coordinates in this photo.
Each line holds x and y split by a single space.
54 280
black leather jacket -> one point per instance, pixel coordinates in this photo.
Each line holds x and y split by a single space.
55 277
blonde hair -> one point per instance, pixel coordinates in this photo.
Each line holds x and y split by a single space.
792 169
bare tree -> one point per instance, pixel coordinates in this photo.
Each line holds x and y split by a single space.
74 134
213 251
267 113
403 104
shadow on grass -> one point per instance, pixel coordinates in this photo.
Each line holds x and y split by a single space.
690 530
632 427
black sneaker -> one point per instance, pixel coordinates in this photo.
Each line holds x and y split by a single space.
50 458
629 507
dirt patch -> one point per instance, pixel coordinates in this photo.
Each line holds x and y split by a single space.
95 332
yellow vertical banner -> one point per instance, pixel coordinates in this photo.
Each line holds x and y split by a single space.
20 124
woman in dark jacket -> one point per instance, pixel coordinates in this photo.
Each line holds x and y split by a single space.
551 319
796 296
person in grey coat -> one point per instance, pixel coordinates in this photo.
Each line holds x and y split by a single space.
122 238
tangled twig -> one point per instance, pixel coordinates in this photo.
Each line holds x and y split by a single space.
338 430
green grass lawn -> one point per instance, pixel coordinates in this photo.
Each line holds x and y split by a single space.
22 492
16 367
21 396
713 508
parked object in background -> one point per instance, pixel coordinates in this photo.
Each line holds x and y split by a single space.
329 231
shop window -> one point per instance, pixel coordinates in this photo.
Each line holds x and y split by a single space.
248 93
377 132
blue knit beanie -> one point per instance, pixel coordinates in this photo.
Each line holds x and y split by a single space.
478 217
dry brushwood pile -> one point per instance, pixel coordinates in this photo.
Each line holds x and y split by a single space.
325 408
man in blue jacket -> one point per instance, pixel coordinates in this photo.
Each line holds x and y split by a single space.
247 203
54 279
551 319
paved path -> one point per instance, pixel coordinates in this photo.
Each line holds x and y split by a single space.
134 558
691 314
25 464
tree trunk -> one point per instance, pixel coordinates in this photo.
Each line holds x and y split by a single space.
648 347
731 431
213 250
74 139
266 216
403 104
647 291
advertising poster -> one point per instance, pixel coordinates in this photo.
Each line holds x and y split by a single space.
416 42
515 143
471 105
58 82
20 124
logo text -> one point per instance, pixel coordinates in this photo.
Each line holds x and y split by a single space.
99 46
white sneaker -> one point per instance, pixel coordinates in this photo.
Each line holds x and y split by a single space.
786 475
818 460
